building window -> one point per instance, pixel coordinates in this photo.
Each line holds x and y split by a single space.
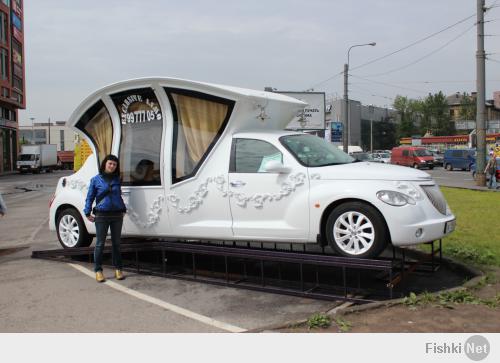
251 156
17 83
61 139
16 21
40 136
199 120
141 133
6 2
3 27
97 125
4 60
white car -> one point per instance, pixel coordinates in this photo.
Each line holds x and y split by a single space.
382 157
204 161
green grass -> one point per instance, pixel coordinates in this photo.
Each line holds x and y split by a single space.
476 239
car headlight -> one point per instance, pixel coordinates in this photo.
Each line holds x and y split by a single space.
409 190
394 198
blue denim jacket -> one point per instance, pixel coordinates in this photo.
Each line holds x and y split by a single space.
112 202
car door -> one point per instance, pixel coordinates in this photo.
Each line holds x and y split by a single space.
142 124
267 205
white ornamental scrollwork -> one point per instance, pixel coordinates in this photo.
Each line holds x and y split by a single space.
153 215
77 184
258 199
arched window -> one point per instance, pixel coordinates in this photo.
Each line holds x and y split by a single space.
199 120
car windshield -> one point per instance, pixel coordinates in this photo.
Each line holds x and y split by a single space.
313 151
422 152
385 155
26 157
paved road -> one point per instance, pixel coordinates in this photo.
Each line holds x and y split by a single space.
455 178
45 296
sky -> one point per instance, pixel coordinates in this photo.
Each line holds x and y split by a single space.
73 48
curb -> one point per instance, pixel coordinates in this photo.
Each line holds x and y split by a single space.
342 311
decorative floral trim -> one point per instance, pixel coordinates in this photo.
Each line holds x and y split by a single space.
258 199
77 184
153 216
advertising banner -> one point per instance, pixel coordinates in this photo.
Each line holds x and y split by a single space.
313 115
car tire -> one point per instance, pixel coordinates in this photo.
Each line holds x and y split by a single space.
356 229
415 166
449 167
431 167
71 231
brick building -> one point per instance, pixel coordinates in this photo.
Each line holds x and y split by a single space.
12 83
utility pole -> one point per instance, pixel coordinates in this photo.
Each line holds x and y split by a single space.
345 116
481 105
371 109
32 130
49 131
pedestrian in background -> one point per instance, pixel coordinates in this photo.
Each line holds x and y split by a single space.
3 207
105 189
491 170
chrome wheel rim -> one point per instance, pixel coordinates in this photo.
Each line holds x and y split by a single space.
353 233
69 231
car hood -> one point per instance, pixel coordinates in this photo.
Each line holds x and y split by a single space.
367 171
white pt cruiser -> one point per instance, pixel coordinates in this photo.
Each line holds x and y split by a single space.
210 162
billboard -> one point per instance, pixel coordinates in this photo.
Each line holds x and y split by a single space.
313 115
336 131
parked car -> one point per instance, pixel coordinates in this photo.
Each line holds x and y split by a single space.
458 159
438 158
382 157
228 173
362 156
414 156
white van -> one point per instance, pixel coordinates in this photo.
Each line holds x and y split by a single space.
204 161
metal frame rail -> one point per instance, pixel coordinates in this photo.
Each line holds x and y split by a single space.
245 268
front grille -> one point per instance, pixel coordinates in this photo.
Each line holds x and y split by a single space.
436 197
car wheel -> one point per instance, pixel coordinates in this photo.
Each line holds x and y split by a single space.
431 167
415 166
449 167
356 229
71 230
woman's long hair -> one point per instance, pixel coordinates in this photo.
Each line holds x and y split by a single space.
112 158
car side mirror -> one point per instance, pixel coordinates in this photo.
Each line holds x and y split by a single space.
274 166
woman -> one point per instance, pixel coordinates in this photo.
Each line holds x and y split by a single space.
491 169
108 213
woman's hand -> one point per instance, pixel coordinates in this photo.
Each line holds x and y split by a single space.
91 218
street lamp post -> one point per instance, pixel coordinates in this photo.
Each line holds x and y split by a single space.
32 130
347 124
370 111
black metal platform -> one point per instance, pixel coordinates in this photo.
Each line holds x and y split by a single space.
318 275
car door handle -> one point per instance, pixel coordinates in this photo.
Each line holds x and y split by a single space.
238 184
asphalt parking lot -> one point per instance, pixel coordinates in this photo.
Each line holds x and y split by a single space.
46 296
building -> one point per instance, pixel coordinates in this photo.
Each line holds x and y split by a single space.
12 82
463 111
48 133
360 116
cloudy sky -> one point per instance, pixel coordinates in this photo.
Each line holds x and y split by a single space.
75 47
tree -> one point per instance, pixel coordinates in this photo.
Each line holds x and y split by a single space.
437 116
467 107
409 113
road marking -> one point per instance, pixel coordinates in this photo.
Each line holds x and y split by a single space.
35 232
165 305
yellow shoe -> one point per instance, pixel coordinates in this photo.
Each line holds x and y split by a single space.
99 276
119 275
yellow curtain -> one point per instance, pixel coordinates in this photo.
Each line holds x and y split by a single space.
200 120
101 131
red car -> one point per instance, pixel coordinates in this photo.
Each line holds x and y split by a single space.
414 156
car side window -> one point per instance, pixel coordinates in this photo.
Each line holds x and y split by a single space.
405 153
457 153
251 156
